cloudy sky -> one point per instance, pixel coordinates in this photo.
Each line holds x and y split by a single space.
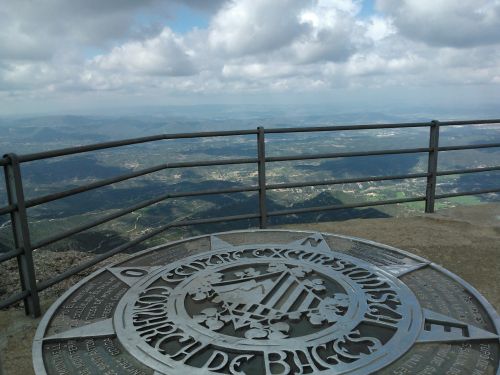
60 55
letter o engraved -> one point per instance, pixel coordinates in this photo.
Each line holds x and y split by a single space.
268 309
133 272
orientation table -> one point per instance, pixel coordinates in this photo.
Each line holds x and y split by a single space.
270 302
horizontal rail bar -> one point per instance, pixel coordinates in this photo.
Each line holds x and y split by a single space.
460 194
142 172
7 209
10 254
345 181
128 142
464 171
379 126
308 129
13 299
468 147
72 271
339 207
469 122
123 212
4 161
132 141
346 154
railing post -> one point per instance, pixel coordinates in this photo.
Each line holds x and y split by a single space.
20 229
430 192
261 153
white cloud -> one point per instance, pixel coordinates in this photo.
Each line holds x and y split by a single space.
163 54
255 26
379 28
53 25
249 46
452 23
257 71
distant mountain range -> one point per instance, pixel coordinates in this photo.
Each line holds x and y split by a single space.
48 176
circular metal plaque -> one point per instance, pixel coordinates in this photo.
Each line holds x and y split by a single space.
270 302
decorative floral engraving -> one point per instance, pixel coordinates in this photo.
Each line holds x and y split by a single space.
353 346
212 318
315 284
202 287
268 297
271 331
329 310
248 272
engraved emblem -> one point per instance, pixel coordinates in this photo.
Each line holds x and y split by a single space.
283 309
259 301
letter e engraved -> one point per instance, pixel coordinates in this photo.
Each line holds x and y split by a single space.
452 329
236 364
219 360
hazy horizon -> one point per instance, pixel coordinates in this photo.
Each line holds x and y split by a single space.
127 57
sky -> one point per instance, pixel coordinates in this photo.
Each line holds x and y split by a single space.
60 56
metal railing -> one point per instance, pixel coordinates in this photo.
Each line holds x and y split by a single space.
17 204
